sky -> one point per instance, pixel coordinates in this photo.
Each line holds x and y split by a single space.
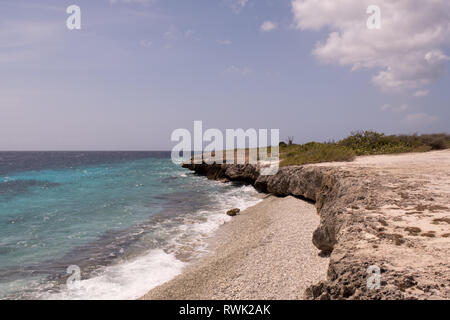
139 69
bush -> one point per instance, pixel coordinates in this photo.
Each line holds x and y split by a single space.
360 143
439 141
436 141
314 152
370 142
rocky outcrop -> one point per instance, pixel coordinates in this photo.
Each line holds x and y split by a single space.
233 212
312 183
365 214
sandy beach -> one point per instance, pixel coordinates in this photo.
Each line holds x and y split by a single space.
265 252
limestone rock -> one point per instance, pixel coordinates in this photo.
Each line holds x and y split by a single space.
233 212
354 229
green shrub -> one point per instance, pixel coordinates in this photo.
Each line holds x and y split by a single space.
314 152
370 142
430 141
436 141
360 143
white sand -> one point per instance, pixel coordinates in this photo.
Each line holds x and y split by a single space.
266 252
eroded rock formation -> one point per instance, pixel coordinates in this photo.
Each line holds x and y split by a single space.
366 211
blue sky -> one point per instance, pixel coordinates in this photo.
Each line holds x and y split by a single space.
137 70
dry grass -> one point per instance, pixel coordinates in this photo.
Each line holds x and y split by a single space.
358 143
314 152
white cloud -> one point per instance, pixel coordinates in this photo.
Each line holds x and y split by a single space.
170 35
24 33
224 42
268 26
404 107
146 43
420 118
407 48
237 5
388 107
19 39
237 70
188 33
173 35
385 107
421 93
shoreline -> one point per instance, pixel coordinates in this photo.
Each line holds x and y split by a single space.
272 261
379 212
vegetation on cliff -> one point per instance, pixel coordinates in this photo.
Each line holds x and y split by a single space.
314 152
372 143
360 143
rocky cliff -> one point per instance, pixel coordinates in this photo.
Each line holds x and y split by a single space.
381 215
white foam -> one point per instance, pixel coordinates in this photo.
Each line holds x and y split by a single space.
133 279
207 222
126 281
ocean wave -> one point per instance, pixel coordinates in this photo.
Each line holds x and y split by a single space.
185 240
125 281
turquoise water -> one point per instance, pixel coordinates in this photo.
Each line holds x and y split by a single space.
129 223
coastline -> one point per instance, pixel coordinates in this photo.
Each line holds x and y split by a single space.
265 252
388 212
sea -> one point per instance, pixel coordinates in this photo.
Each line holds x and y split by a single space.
104 225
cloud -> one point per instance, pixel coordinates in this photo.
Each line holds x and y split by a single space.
268 26
406 51
385 107
244 71
19 39
420 118
24 33
170 35
421 93
145 43
236 5
224 42
173 35
388 107
188 33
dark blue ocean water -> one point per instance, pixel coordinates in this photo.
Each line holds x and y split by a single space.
128 220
